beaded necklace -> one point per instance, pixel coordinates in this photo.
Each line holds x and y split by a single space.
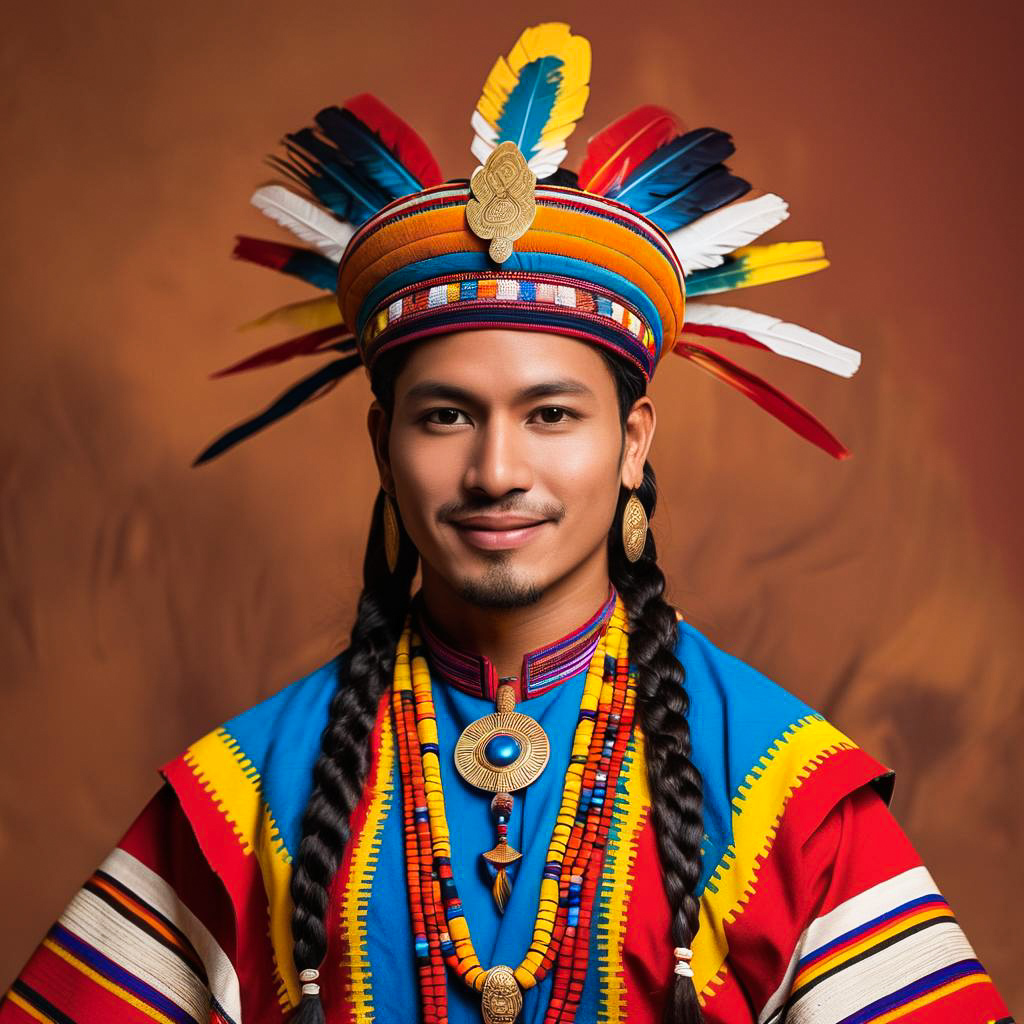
575 853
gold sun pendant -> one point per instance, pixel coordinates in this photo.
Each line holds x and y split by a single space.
501 753
504 751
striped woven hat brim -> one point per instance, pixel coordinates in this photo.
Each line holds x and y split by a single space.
587 266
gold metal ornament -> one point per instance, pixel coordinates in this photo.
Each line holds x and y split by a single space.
392 538
634 528
501 854
474 766
503 206
501 1000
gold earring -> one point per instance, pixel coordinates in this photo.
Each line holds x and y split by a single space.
391 535
634 528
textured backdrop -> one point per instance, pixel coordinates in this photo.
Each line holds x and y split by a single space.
142 602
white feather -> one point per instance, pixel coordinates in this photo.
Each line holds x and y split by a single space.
544 162
309 222
486 134
547 161
707 241
782 338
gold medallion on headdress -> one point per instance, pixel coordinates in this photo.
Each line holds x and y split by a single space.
503 204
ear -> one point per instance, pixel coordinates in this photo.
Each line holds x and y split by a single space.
639 431
377 425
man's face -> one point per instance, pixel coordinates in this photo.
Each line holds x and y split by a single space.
506 455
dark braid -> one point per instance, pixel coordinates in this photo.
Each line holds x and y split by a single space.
364 674
662 704
340 769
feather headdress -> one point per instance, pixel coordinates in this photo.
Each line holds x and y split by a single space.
654 216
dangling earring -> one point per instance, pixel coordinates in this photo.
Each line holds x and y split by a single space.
634 528
392 537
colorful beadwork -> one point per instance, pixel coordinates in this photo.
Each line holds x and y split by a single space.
487 298
576 850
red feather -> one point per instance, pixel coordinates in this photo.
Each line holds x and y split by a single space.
718 331
406 145
624 144
263 252
304 345
781 406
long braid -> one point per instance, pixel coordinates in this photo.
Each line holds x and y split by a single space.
662 703
677 789
364 674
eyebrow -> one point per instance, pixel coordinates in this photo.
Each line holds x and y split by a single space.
452 392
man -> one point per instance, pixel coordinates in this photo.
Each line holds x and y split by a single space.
528 790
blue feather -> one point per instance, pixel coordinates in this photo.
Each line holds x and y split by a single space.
707 192
298 394
682 180
335 182
363 147
529 104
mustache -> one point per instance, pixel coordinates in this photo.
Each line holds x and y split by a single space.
455 510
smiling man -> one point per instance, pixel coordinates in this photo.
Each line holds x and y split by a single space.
527 789
505 451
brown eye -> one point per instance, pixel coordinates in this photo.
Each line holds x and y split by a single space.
445 417
553 414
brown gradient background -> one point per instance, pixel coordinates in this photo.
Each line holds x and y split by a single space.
143 602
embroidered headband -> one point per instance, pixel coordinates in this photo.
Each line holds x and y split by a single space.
620 253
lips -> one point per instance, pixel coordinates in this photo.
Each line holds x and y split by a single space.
497 522
498 533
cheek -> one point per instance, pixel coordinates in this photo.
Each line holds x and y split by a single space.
585 474
426 476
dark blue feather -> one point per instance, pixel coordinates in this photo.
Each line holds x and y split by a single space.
364 148
529 104
707 192
323 189
314 268
299 393
682 180
331 178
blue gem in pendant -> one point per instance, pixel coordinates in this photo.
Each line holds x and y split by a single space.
502 750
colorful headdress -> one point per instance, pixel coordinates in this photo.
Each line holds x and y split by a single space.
620 253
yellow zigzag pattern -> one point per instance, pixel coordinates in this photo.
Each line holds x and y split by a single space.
757 811
356 897
629 812
234 785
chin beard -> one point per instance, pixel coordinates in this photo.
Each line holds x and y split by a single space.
499 588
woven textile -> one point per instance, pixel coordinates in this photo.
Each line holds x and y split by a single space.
814 906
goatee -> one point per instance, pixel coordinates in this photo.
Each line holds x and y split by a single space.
499 588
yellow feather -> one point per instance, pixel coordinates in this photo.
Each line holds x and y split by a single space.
551 39
310 315
779 261
783 271
777 252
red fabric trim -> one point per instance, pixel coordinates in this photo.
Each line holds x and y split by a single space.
241 877
72 993
762 936
335 995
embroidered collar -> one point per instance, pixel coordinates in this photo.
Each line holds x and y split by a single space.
542 669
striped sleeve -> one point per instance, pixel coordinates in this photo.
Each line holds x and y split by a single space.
881 943
147 938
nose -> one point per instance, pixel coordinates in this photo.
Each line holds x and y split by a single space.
499 461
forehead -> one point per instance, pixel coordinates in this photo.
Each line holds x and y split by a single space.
498 363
